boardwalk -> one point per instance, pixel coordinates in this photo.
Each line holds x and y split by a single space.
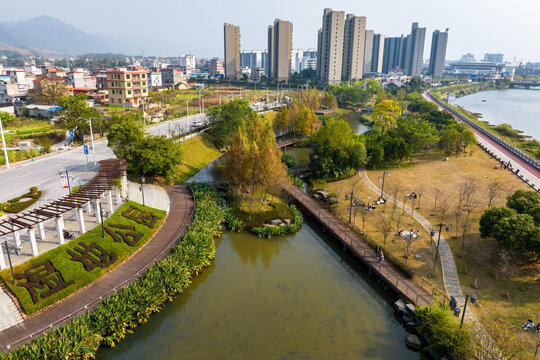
174 227
386 271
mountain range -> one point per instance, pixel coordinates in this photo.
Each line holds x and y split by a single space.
45 34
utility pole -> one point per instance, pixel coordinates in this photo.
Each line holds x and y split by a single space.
4 144
92 137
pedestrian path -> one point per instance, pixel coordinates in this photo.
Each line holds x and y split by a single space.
9 314
448 264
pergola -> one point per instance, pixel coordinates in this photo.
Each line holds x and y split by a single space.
111 173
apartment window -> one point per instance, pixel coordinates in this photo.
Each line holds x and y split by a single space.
120 92
144 83
112 101
113 92
128 84
143 90
128 76
129 92
143 76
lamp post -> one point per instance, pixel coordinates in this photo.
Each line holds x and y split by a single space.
92 136
10 265
473 300
101 217
4 144
385 174
142 189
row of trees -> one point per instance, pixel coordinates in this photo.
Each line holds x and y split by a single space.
355 95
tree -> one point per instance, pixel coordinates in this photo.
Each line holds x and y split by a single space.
516 233
497 341
491 217
506 270
386 228
329 101
494 188
385 114
307 122
6 118
419 193
418 133
436 195
75 114
49 91
470 204
448 137
523 201
372 87
226 119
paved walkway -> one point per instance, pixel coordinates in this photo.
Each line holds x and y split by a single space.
174 227
448 264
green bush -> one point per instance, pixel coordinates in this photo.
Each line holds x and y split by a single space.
73 271
132 305
278 210
269 231
233 222
443 328
15 205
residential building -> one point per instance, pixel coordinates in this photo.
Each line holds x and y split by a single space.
216 67
393 59
187 60
377 52
438 53
303 59
154 81
415 51
368 51
279 50
330 47
232 51
171 77
353 47
264 60
81 80
127 86
9 93
494 58
251 58
256 73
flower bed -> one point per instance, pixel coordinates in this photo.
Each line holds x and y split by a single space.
57 273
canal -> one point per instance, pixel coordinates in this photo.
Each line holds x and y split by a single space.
294 297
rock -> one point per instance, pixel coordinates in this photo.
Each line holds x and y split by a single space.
276 222
413 342
400 306
287 221
411 308
411 326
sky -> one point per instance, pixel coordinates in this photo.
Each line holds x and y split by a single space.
476 26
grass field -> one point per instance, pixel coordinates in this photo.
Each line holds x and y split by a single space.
478 262
197 152
73 272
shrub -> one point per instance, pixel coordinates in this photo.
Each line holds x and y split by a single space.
443 328
15 205
269 231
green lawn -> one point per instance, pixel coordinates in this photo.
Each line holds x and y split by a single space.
72 274
197 152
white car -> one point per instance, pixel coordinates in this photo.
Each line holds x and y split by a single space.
197 124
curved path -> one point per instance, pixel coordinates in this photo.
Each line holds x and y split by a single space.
448 264
175 226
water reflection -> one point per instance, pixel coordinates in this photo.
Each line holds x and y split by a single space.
353 119
255 249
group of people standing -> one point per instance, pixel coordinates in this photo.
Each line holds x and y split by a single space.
380 254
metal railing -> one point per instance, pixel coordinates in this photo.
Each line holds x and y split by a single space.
90 305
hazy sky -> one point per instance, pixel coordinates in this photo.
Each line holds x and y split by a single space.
476 26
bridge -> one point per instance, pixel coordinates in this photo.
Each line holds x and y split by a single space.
281 144
527 84
388 272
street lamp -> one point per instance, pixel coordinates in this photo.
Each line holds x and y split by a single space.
4 144
385 174
473 300
92 135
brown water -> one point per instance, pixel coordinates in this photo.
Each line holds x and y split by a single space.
296 297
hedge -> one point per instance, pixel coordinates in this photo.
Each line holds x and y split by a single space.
132 305
59 264
15 205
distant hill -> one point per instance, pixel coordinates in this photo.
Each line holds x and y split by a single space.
48 34
6 49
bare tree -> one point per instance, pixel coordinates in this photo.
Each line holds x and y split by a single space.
436 195
419 192
459 206
386 227
363 215
405 198
470 204
394 190
498 341
506 269
494 188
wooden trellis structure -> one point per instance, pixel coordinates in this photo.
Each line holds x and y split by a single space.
109 175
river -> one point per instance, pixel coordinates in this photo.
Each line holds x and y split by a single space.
293 297
517 107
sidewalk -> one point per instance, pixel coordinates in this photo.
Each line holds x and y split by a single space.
154 196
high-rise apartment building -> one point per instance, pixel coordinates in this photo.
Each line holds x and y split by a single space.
494 58
216 67
368 51
127 86
330 47
438 53
393 54
188 61
377 53
353 47
251 58
232 51
279 50
415 51
303 59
